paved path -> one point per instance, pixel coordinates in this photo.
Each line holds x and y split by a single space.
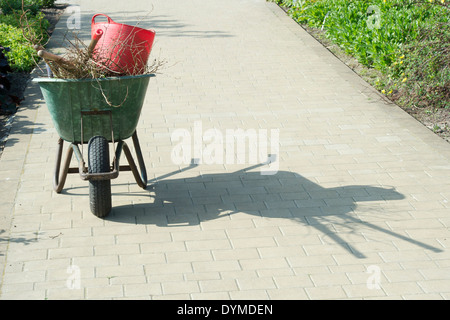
359 208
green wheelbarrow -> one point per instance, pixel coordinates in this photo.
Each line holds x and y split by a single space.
96 112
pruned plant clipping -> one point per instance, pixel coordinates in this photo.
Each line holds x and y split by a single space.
79 62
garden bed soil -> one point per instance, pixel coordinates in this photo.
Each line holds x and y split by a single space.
435 119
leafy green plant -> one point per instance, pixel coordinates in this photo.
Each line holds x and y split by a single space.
37 23
20 31
22 55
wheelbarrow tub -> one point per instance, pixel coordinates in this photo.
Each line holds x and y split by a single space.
68 99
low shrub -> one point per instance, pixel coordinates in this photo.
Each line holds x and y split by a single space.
22 54
36 22
48 3
423 79
20 39
32 6
11 6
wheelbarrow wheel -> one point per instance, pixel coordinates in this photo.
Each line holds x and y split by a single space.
99 190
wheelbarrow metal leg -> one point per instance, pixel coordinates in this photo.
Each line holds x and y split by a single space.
59 177
141 162
140 177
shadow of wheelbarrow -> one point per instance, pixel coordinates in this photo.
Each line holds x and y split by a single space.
190 201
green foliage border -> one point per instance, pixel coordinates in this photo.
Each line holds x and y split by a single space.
410 48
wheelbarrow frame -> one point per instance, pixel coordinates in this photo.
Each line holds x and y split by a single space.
60 174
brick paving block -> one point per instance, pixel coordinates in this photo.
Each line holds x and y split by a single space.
256 283
293 281
204 276
141 259
326 293
118 271
24 277
356 257
180 287
223 265
329 279
362 290
116 249
189 256
95 261
208 245
104 292
257 242
222 285
173 269
249 295
259 264
435 286
142 290
26 295
272 272
424 297
404 288
210 296
65 294
287 294
242 253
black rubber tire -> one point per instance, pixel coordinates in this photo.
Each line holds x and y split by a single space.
99 190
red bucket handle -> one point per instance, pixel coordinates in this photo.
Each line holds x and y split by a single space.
101 14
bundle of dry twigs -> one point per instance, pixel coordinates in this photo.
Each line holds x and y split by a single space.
79 62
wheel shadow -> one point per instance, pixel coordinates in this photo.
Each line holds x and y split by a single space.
288 195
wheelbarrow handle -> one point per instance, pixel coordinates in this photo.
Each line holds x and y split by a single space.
38 47
63 63
101 14
50 56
